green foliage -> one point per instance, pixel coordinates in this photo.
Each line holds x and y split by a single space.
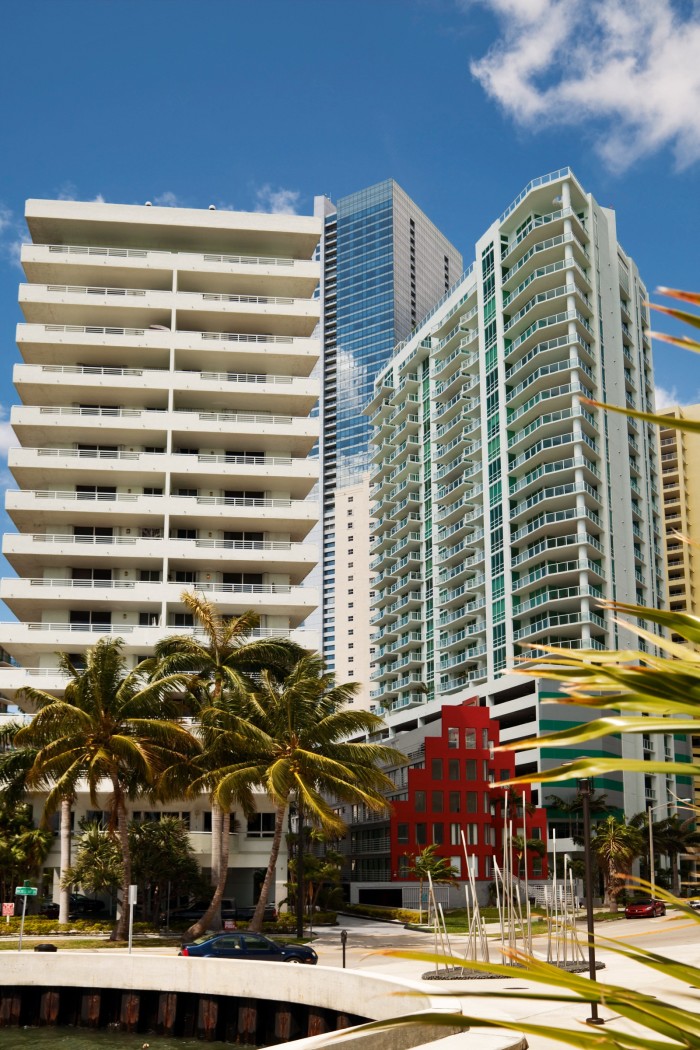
23 848
374 911
111 725
98 864
163 858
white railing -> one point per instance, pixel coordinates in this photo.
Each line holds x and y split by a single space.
97 370
82 453
136 413
260 632
97 410
263 461
242 377
274 300
107 497
247 545
78 289
236 417
129 585
142 253
229 337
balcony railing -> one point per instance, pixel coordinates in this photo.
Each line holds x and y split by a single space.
141 253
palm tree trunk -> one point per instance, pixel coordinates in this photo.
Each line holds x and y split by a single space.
300 874
64 897
211 920
257 920
120 931
216 817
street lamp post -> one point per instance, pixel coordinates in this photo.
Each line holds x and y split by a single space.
585 788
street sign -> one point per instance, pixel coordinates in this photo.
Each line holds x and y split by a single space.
26 891
8 910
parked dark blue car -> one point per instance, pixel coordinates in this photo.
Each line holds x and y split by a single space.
248 947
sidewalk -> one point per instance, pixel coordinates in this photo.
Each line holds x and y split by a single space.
473 1000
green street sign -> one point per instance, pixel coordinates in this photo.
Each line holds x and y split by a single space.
26 891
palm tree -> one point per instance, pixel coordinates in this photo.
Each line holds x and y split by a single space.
573 808
426 864
111 725
219 670
294 743
673 837
616 846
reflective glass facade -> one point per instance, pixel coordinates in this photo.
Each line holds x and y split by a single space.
385 266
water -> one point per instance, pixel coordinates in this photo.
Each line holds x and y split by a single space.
90 1039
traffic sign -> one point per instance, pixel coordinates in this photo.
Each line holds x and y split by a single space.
26 891
8 910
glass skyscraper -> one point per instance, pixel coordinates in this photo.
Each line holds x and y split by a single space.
385 265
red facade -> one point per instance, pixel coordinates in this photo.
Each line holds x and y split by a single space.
458 791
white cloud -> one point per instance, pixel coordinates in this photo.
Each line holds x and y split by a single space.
279 201
67 191
7 434
630 68
168 199
12 235
668 397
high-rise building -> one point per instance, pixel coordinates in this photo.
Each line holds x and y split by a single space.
164 428
384 266
679 452
506 506
680 477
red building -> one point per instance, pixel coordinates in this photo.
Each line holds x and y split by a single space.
458 790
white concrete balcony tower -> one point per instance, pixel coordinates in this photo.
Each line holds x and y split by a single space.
163 428
494 481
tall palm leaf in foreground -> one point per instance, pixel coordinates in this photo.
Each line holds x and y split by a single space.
219 661
296 748
110 727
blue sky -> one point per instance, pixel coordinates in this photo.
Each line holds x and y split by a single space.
264 103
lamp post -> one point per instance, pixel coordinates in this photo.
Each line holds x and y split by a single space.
585 788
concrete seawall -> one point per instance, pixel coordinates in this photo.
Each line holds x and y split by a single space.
261 1003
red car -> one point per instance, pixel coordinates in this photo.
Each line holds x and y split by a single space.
647 908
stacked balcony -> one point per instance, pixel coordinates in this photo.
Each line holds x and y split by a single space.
164 427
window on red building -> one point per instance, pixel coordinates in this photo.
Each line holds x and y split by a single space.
454 801
438 834
471 769
455 836
472 802
436 768
470 738
453 769
438 801
419 802
402 833
421 835
453 737
473 834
